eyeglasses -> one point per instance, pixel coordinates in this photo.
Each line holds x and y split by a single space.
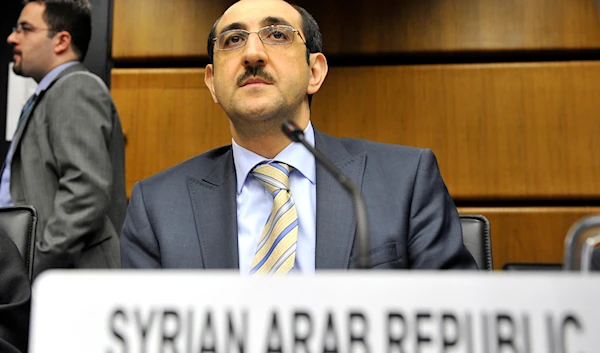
25 28
271 35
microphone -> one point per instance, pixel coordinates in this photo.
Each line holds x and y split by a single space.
295 134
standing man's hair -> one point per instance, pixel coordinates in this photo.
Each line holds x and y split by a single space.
73 16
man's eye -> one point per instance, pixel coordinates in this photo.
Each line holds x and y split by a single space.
234 39
278 36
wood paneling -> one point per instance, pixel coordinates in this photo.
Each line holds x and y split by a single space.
499 131
179 28
163 29
359 26
529 234
168 116
510 131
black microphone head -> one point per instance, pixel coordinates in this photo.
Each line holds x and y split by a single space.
291 130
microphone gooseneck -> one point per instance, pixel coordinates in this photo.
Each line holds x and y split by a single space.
294 133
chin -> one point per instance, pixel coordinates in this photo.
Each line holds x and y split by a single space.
259 110
17 70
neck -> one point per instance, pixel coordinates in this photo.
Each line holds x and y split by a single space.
264 138
55 63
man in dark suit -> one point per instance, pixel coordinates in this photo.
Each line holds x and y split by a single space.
15 296
67 156
263 204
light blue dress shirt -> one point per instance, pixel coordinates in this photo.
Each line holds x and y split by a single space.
5 199
254 202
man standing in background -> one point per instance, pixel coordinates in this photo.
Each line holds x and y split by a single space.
67 156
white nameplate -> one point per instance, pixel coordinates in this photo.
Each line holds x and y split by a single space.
202 311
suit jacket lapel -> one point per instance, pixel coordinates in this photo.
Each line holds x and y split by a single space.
24 122
215 212
336 222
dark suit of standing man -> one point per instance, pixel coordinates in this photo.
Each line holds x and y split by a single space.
67 156
209 212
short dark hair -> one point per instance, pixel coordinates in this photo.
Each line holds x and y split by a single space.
310 28
73 16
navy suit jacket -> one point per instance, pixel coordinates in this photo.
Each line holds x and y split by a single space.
186 216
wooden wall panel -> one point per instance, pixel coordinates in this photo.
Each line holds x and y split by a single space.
168 116
179 28
529 234
511 131
163 29
457 25
500 131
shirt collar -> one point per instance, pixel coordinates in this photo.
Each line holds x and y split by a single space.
50 76
295 155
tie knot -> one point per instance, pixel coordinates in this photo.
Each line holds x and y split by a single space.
274 176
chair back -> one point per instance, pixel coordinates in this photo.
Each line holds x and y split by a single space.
477 238
19 223
580 243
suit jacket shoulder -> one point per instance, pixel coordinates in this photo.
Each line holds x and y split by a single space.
413 220
200 167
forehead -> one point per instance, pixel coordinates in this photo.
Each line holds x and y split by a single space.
33 13
253 14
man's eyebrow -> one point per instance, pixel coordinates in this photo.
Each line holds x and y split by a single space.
234 25
267 21
24 23
271 20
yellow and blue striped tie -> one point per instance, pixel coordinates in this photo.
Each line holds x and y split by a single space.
276 251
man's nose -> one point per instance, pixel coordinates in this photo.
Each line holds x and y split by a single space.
254 51
11 39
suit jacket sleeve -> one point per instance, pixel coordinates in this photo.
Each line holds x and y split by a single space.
79 124
139 246
15 296
435 235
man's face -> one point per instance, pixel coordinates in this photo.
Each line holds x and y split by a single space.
32 48
259 81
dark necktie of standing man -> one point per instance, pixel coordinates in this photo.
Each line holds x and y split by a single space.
26 108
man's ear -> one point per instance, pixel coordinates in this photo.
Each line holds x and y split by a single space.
209 77
62 42
318 72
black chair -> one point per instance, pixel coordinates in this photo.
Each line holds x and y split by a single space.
581 245
19 223
477 238
532 266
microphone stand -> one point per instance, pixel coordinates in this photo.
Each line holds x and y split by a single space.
292 131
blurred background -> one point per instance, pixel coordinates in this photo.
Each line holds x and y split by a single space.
505 92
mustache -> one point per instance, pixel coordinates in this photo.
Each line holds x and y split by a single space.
257 71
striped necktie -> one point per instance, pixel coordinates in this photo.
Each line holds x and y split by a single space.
276 250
